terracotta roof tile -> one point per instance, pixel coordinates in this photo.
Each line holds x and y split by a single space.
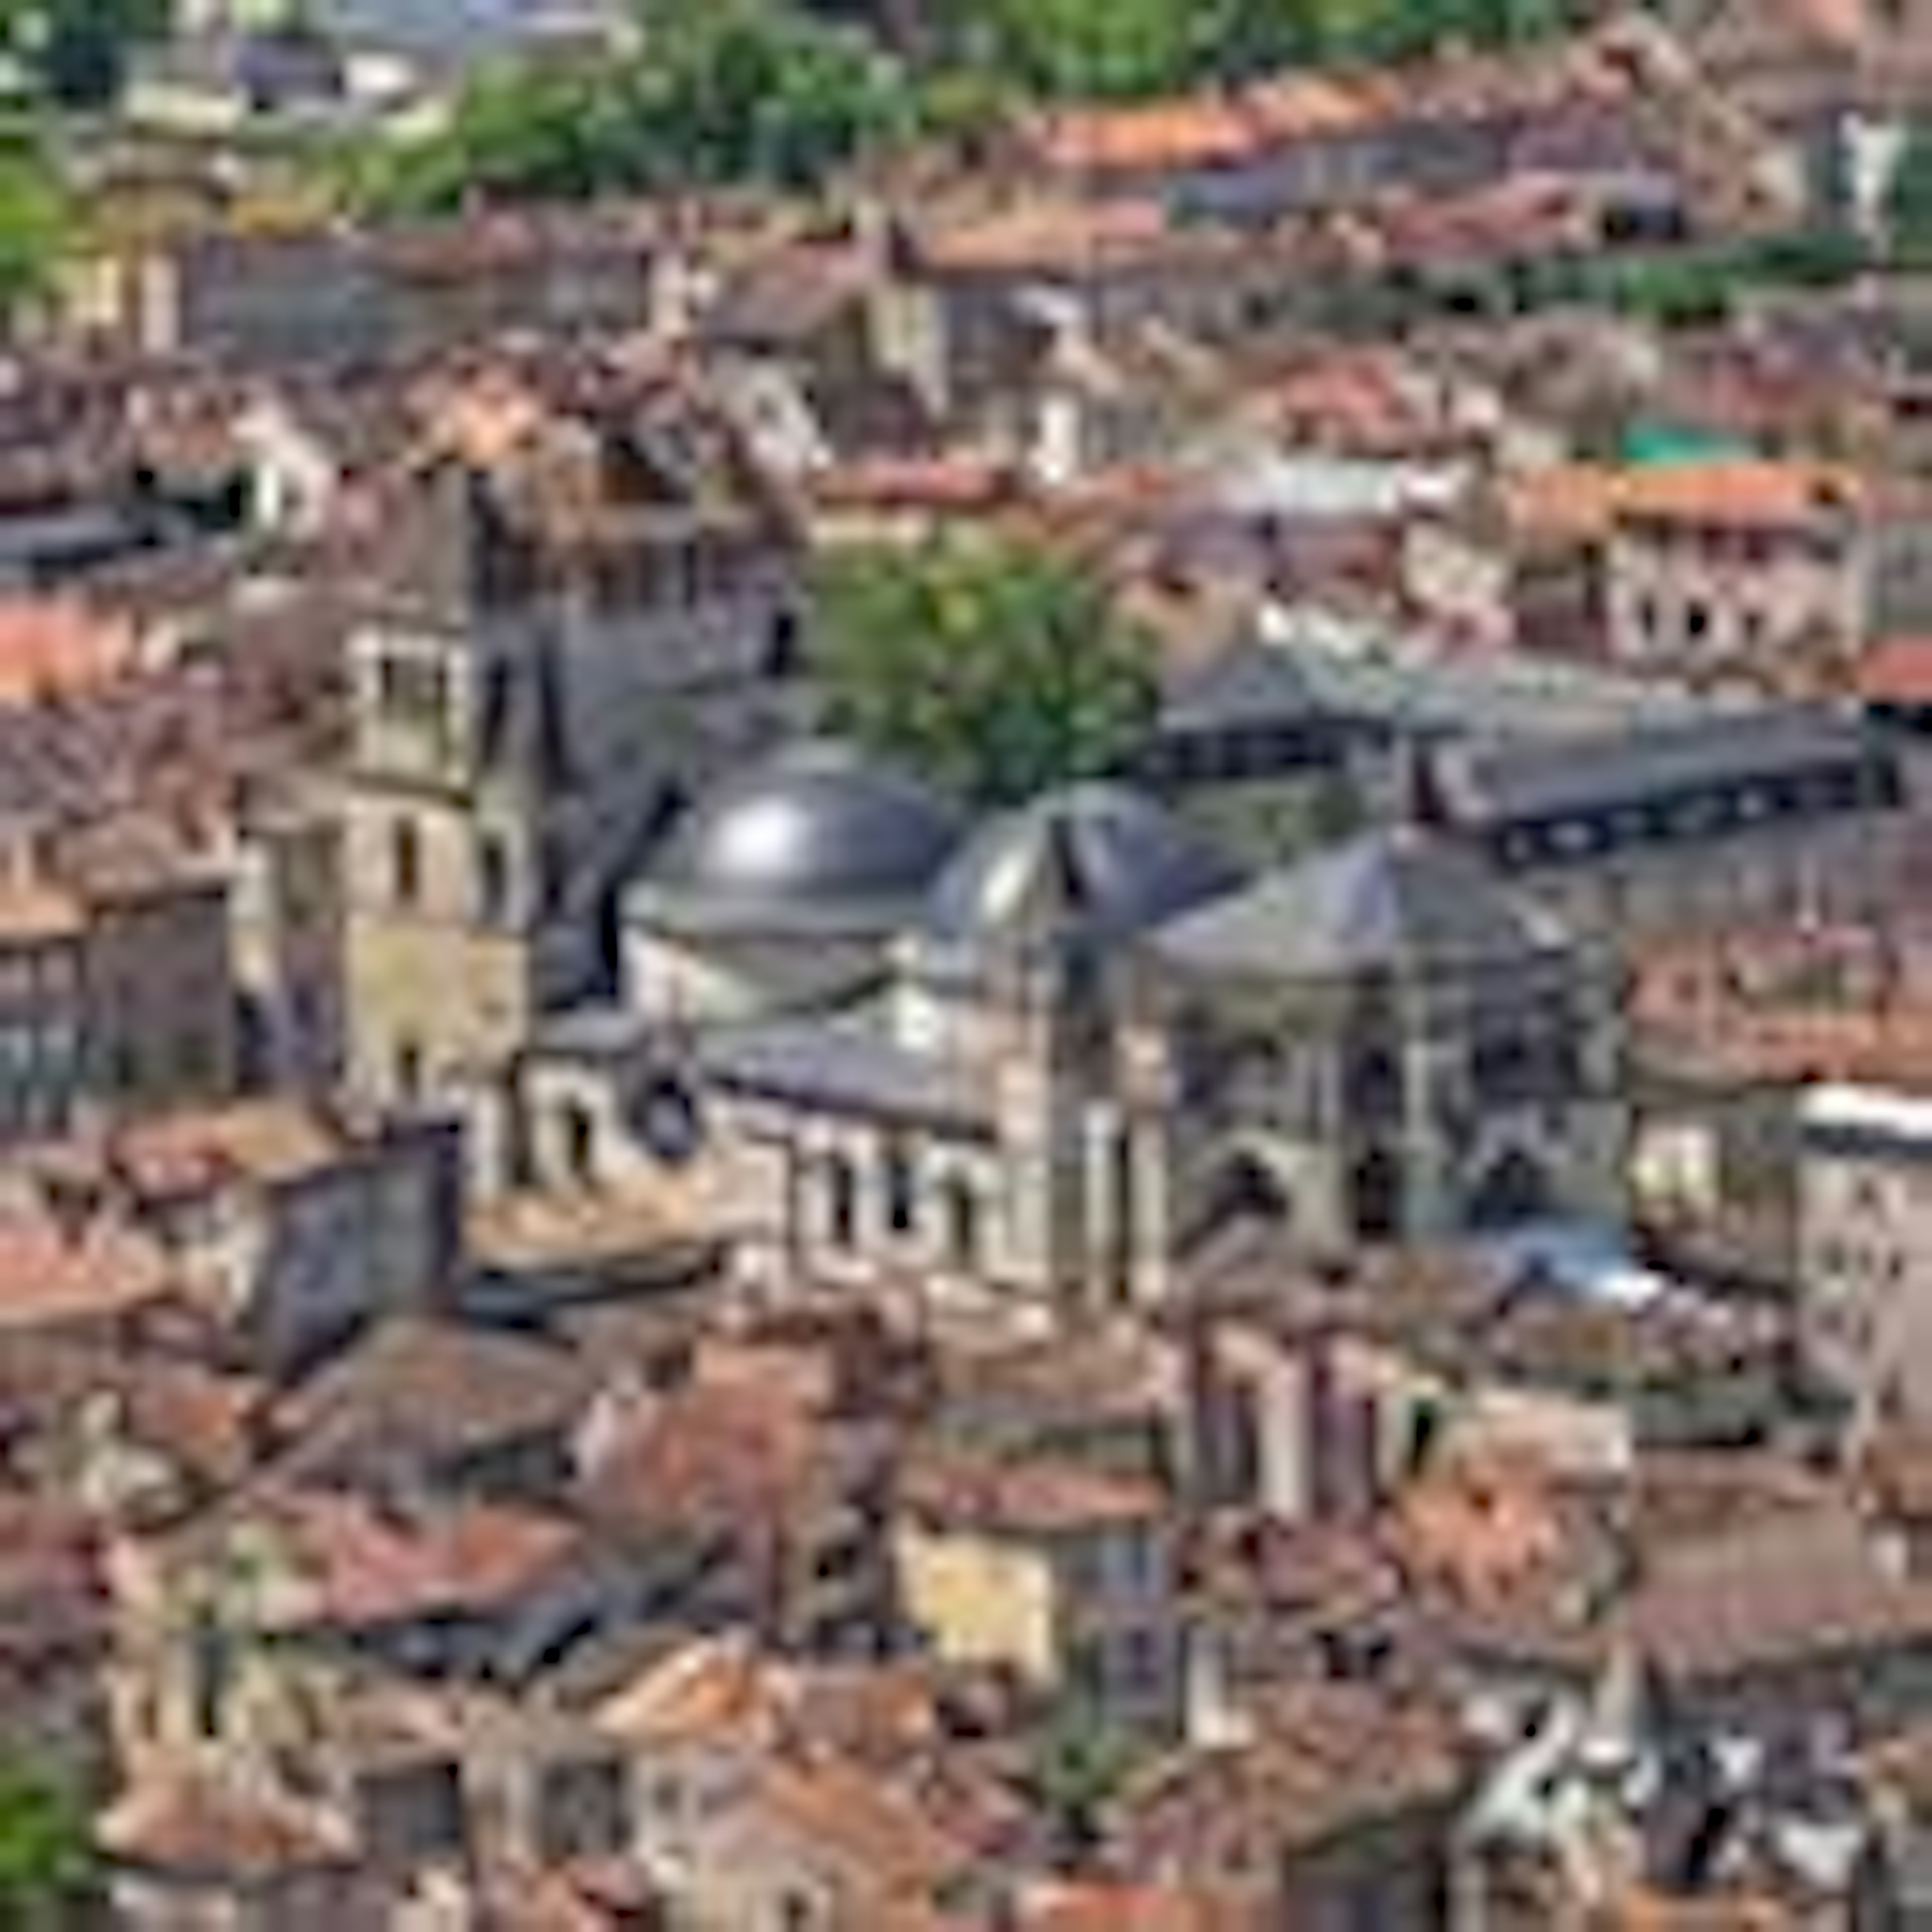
200 1825
950 1489
1191 131
343 1560
1100 1906
51 1278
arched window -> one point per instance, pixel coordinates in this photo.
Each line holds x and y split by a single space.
899 1175
962 1225
1514 1190
578 1132
842 1200
406 862
408 1071
1375 1192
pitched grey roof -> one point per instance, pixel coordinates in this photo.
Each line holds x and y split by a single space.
1395 900
1318 666
1493 783
848 1065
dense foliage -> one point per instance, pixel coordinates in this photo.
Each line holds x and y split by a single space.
46 1862
34 222
994 668
734 90
768 90
76 51
1127 48
1908 204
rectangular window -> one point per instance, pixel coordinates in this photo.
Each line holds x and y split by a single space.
406 863
493 879
901 1188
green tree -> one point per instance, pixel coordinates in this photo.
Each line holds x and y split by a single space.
78 50
1909 198
1079 1767
34 221
733 91
997 668
46 1858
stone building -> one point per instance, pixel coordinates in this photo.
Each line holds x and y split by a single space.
1862 1210
1756 569
116 991
1403 1050
1045 1064
556 640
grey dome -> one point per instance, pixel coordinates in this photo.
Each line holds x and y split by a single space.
1401 900
1093 862
818 834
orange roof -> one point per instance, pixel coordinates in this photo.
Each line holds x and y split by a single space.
1044 234
1579 500
1297 105
35 911
48 1278
53 647
713 1690
1741 492
1033 1497
1897 670
866 1823
1196 130
196 1149
194 1821
1570 503
354 1564
943 482
1102 1907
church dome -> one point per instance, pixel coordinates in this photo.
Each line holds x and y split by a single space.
1094 861
816 836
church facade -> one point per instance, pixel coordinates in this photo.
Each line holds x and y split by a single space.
1038 1059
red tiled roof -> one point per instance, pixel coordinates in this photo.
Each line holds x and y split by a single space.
352 1564
1100 1906
956 1490
197 1824
1196 130
57 647
1896 670
51 1278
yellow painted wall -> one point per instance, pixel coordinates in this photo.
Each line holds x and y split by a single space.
981 1601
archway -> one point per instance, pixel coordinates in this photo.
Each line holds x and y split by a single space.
1375 1189
1514 1190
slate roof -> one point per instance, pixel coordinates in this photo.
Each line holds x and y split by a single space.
846 1065
1498 783
1327 668
1092 861
815 837
1400 900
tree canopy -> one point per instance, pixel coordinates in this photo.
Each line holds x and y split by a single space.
77 51
733 91
46 1859
1909 197
778 92
995 668
34 222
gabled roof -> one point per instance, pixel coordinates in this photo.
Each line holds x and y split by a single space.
416 1386
1401 901
1497 783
